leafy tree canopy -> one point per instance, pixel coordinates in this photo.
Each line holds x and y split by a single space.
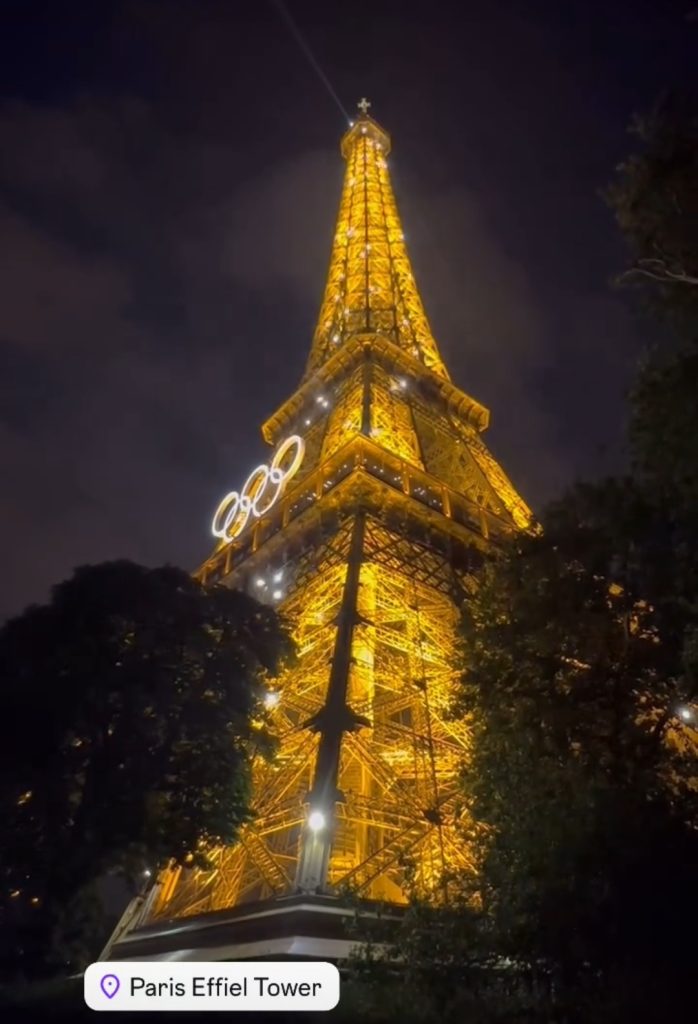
582 765
655 200
132 711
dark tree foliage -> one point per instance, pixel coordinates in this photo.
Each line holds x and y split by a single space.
664 438
582 766
656 203
655 200
128 729
438 963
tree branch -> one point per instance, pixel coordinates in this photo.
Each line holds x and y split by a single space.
660 273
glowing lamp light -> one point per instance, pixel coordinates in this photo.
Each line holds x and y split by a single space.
316 821
271 699
686 713
260 582
277 595
278 576
147 873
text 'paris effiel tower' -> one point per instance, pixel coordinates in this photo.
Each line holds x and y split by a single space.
365 532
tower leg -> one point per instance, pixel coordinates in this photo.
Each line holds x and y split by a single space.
332 721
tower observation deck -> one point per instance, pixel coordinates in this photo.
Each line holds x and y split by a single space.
365 530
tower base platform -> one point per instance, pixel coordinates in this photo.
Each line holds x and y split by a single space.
298 927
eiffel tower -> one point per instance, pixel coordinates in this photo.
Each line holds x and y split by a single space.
365 530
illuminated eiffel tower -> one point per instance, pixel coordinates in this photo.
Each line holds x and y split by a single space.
365 530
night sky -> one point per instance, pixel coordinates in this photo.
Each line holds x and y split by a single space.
169 181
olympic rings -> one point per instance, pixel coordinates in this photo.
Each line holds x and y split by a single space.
260 491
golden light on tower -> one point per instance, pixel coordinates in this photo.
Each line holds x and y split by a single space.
373 540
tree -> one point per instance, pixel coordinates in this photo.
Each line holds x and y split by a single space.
437 963
655 200
582 767
132 712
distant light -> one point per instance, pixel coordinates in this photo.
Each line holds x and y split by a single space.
316 821
278 576
271 699
351 124
307 423
147 873
277 595
260 582
686 713
402 382
320 398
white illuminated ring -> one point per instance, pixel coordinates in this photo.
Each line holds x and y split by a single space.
260 491
235 519
291 442
257 487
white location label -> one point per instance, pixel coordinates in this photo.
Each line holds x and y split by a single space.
240 985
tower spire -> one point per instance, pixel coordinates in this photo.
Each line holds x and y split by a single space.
371 288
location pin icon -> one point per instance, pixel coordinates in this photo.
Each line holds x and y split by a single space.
110 985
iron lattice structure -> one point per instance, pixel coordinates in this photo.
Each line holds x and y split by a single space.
369 552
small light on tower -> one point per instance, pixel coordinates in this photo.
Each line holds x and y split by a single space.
316 821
